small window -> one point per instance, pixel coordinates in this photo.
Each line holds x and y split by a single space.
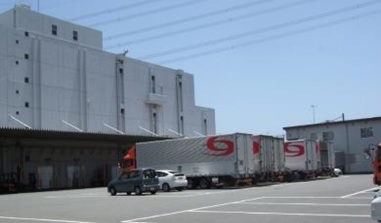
327 136
366 132
26 34
17 91
122 110
17 112
17 41
26 80
54 30
17 62
26 56
75 35
26 104
121 70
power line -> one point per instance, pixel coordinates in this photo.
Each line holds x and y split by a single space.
262 30
274 37
108 11
149 12
207 25
188 19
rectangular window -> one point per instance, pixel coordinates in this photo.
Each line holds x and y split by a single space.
26 56
54 30
75 35
327 136
366 132
153 84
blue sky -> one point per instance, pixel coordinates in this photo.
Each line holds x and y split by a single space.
261 64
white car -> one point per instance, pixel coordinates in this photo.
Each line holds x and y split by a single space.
376 207
169 179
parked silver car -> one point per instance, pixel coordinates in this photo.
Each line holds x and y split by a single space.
169 179
137 181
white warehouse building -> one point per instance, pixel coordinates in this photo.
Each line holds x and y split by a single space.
69 111
55 75
349 137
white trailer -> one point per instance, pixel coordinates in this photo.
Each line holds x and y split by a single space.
302 158
206 161
328 160
271 156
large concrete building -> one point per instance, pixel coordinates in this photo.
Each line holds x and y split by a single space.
56 77
350 138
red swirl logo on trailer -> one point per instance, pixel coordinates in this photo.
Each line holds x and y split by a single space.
293 150
219 147
256 146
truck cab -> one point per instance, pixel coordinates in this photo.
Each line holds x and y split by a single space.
374 152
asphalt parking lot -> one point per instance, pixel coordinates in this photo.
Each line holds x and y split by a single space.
344 199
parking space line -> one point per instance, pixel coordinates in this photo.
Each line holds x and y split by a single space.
189 210
359 192
305 204
40 219
283 214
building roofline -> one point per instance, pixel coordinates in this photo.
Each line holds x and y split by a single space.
332 123
6 132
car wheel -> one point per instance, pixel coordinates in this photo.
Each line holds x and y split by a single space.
166 187
113 191
153 192
205 183
138 191
128 193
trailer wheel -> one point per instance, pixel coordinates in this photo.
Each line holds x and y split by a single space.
192 184
205 183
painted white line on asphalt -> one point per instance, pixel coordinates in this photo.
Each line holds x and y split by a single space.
189 210
77 196
359 192
40 219
306 204
301 197
283 214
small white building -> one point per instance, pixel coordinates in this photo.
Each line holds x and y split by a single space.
55 75
350 138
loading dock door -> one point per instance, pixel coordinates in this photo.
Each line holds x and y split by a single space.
45 177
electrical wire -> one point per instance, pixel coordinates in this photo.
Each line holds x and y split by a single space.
262 30
108 11
271 38
207 25
187 19
149 12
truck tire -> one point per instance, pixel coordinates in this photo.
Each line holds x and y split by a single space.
113 191
205 183
138 191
